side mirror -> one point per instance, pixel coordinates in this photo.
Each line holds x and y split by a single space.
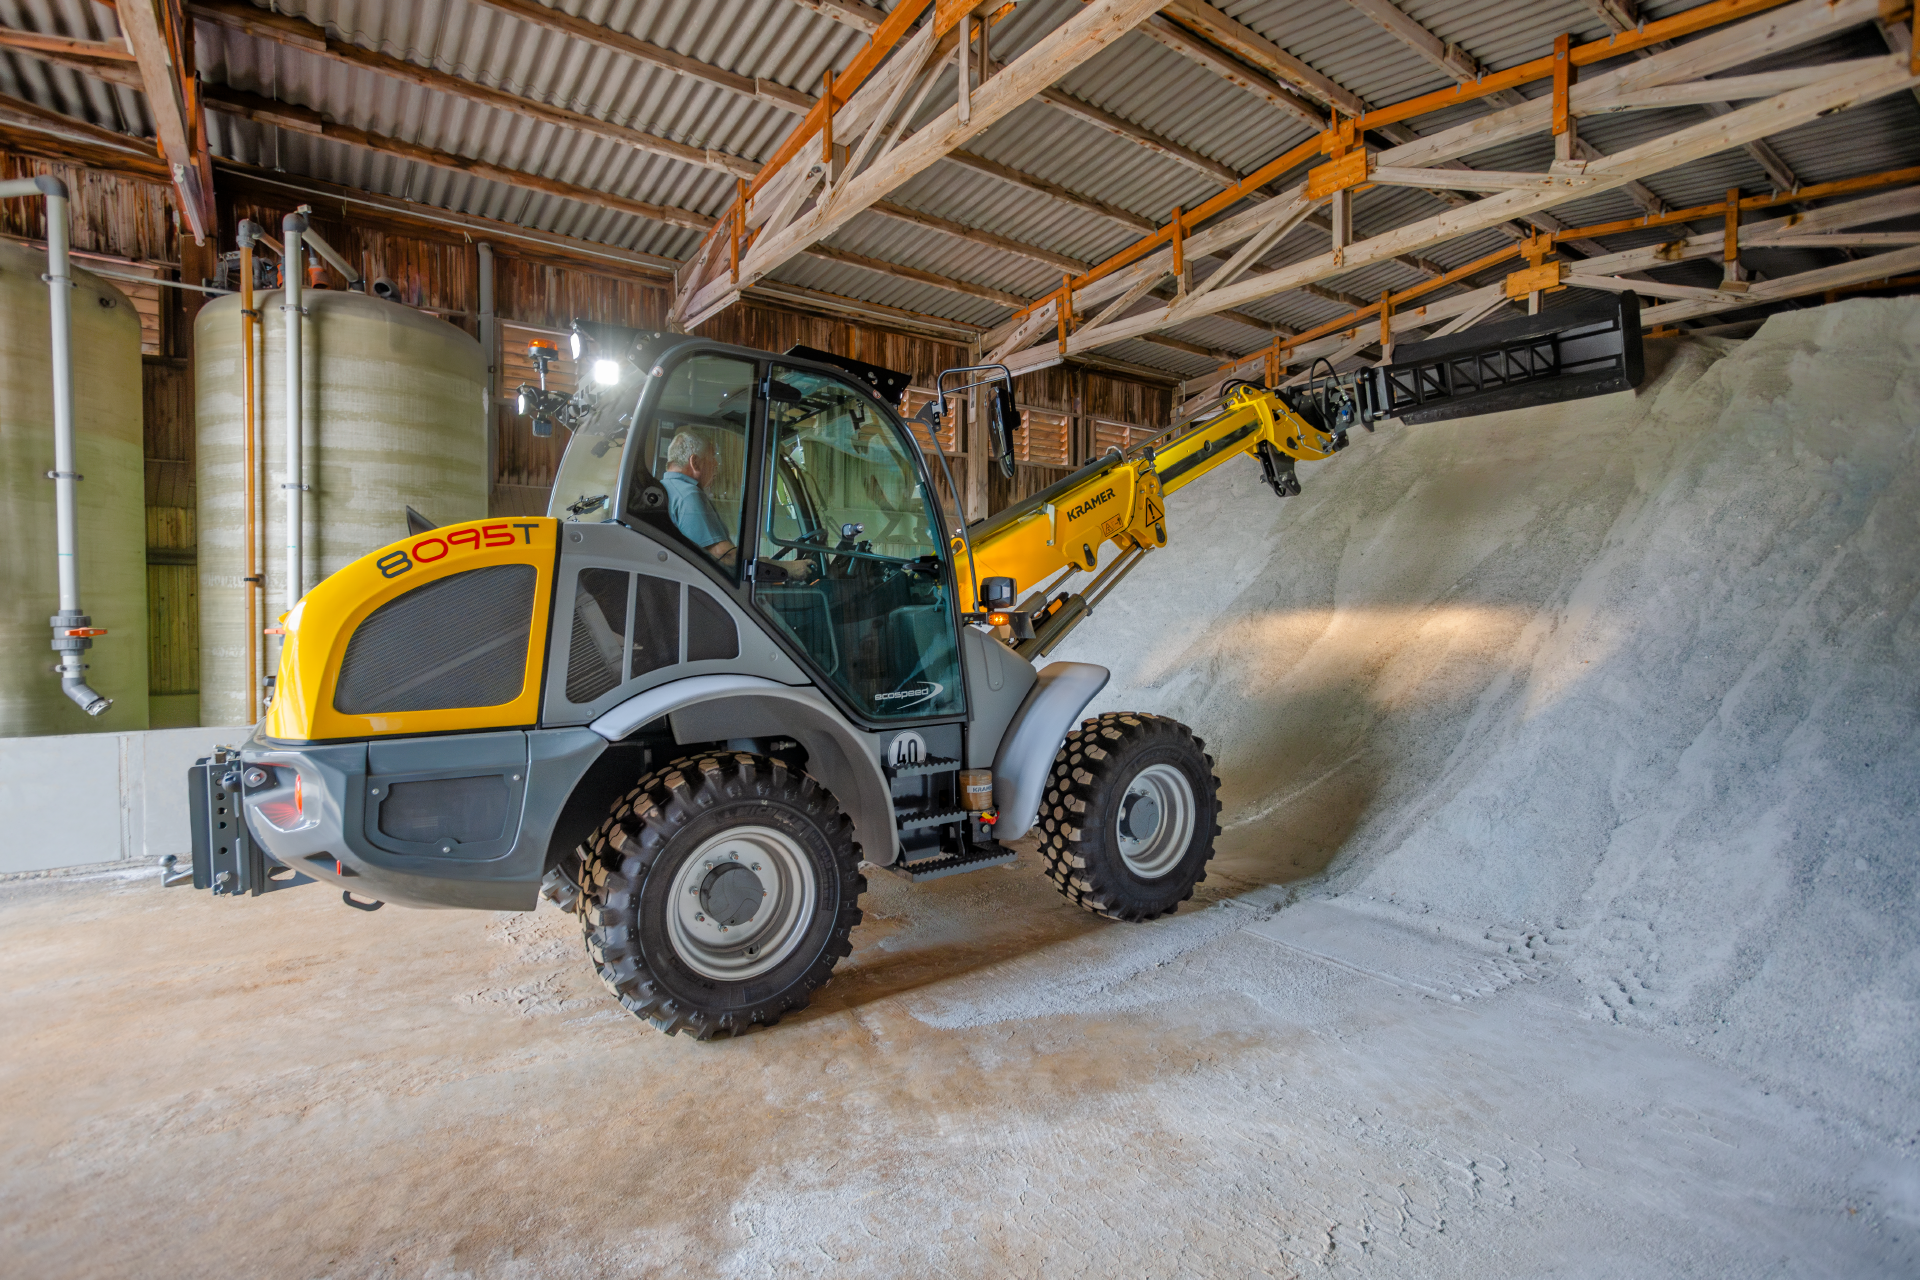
1003 420
997 594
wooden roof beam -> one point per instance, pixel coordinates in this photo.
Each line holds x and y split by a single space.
1105 120
1052 190
1624 15
253 106
162 43
73 141
1784 111
1205 53
298 33
1819 280
1465 68
534 13
97 58
861 17
1250 46
1080 37
305 120
974 235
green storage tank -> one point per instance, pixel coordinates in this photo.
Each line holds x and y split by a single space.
111 501
395 409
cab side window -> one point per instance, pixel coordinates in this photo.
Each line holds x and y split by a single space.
698 446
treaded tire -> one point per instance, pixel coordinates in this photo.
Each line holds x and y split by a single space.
627 871
1079 816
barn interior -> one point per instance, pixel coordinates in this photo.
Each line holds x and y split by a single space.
1559 913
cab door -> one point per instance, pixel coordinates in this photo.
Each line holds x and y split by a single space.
850 561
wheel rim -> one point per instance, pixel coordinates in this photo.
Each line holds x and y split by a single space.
741 903
1155 822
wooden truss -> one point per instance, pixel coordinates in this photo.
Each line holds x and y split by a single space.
1787 98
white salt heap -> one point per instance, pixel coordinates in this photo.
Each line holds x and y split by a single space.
1638 674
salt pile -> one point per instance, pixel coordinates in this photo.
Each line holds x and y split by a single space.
1639 675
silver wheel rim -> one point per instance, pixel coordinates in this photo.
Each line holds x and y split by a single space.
1155 822
718 929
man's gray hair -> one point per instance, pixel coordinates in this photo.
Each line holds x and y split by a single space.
687 446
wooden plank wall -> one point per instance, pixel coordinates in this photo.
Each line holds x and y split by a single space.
173 575
110 214
1084 395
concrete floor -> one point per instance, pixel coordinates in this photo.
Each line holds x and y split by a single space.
994 1084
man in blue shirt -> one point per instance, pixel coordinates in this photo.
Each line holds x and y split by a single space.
692 465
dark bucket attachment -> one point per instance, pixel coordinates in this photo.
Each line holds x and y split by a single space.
1587 348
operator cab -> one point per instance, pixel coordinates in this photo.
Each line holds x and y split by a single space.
796 487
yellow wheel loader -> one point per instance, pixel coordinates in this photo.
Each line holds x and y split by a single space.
745 653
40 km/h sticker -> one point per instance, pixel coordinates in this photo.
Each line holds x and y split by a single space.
438 546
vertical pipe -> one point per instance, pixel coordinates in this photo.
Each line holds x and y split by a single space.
60 298
490 347
249 681
293 226
72 630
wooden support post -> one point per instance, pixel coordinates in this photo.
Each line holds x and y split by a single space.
1339 137
739 221
1179 232
1340 213
966 89
1066 311
1565 138
1536 250
827 166
1733 278
1386 326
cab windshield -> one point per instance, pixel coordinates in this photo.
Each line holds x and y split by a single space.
583 487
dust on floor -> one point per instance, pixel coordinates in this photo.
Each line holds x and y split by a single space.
994 1084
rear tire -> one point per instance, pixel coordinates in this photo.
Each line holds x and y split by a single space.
1130 815
719 893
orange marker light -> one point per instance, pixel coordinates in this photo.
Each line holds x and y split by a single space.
299 799
998 620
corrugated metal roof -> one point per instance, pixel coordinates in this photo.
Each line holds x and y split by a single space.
1137 79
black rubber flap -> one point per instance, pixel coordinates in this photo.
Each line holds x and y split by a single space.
1586 347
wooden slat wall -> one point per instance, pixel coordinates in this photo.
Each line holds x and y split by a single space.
112 215
173 579
1082 396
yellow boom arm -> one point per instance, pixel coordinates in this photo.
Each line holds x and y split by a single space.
1119 500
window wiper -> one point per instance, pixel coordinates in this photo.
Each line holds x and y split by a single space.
587 504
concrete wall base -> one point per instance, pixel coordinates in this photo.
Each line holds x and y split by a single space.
83 800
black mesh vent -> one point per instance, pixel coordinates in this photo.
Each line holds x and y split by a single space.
710 630
599 633
459 641
656 625
470 810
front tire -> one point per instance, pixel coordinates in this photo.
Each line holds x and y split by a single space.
1130 815
719 893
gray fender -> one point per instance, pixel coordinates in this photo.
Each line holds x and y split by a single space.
710 708
1033 739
